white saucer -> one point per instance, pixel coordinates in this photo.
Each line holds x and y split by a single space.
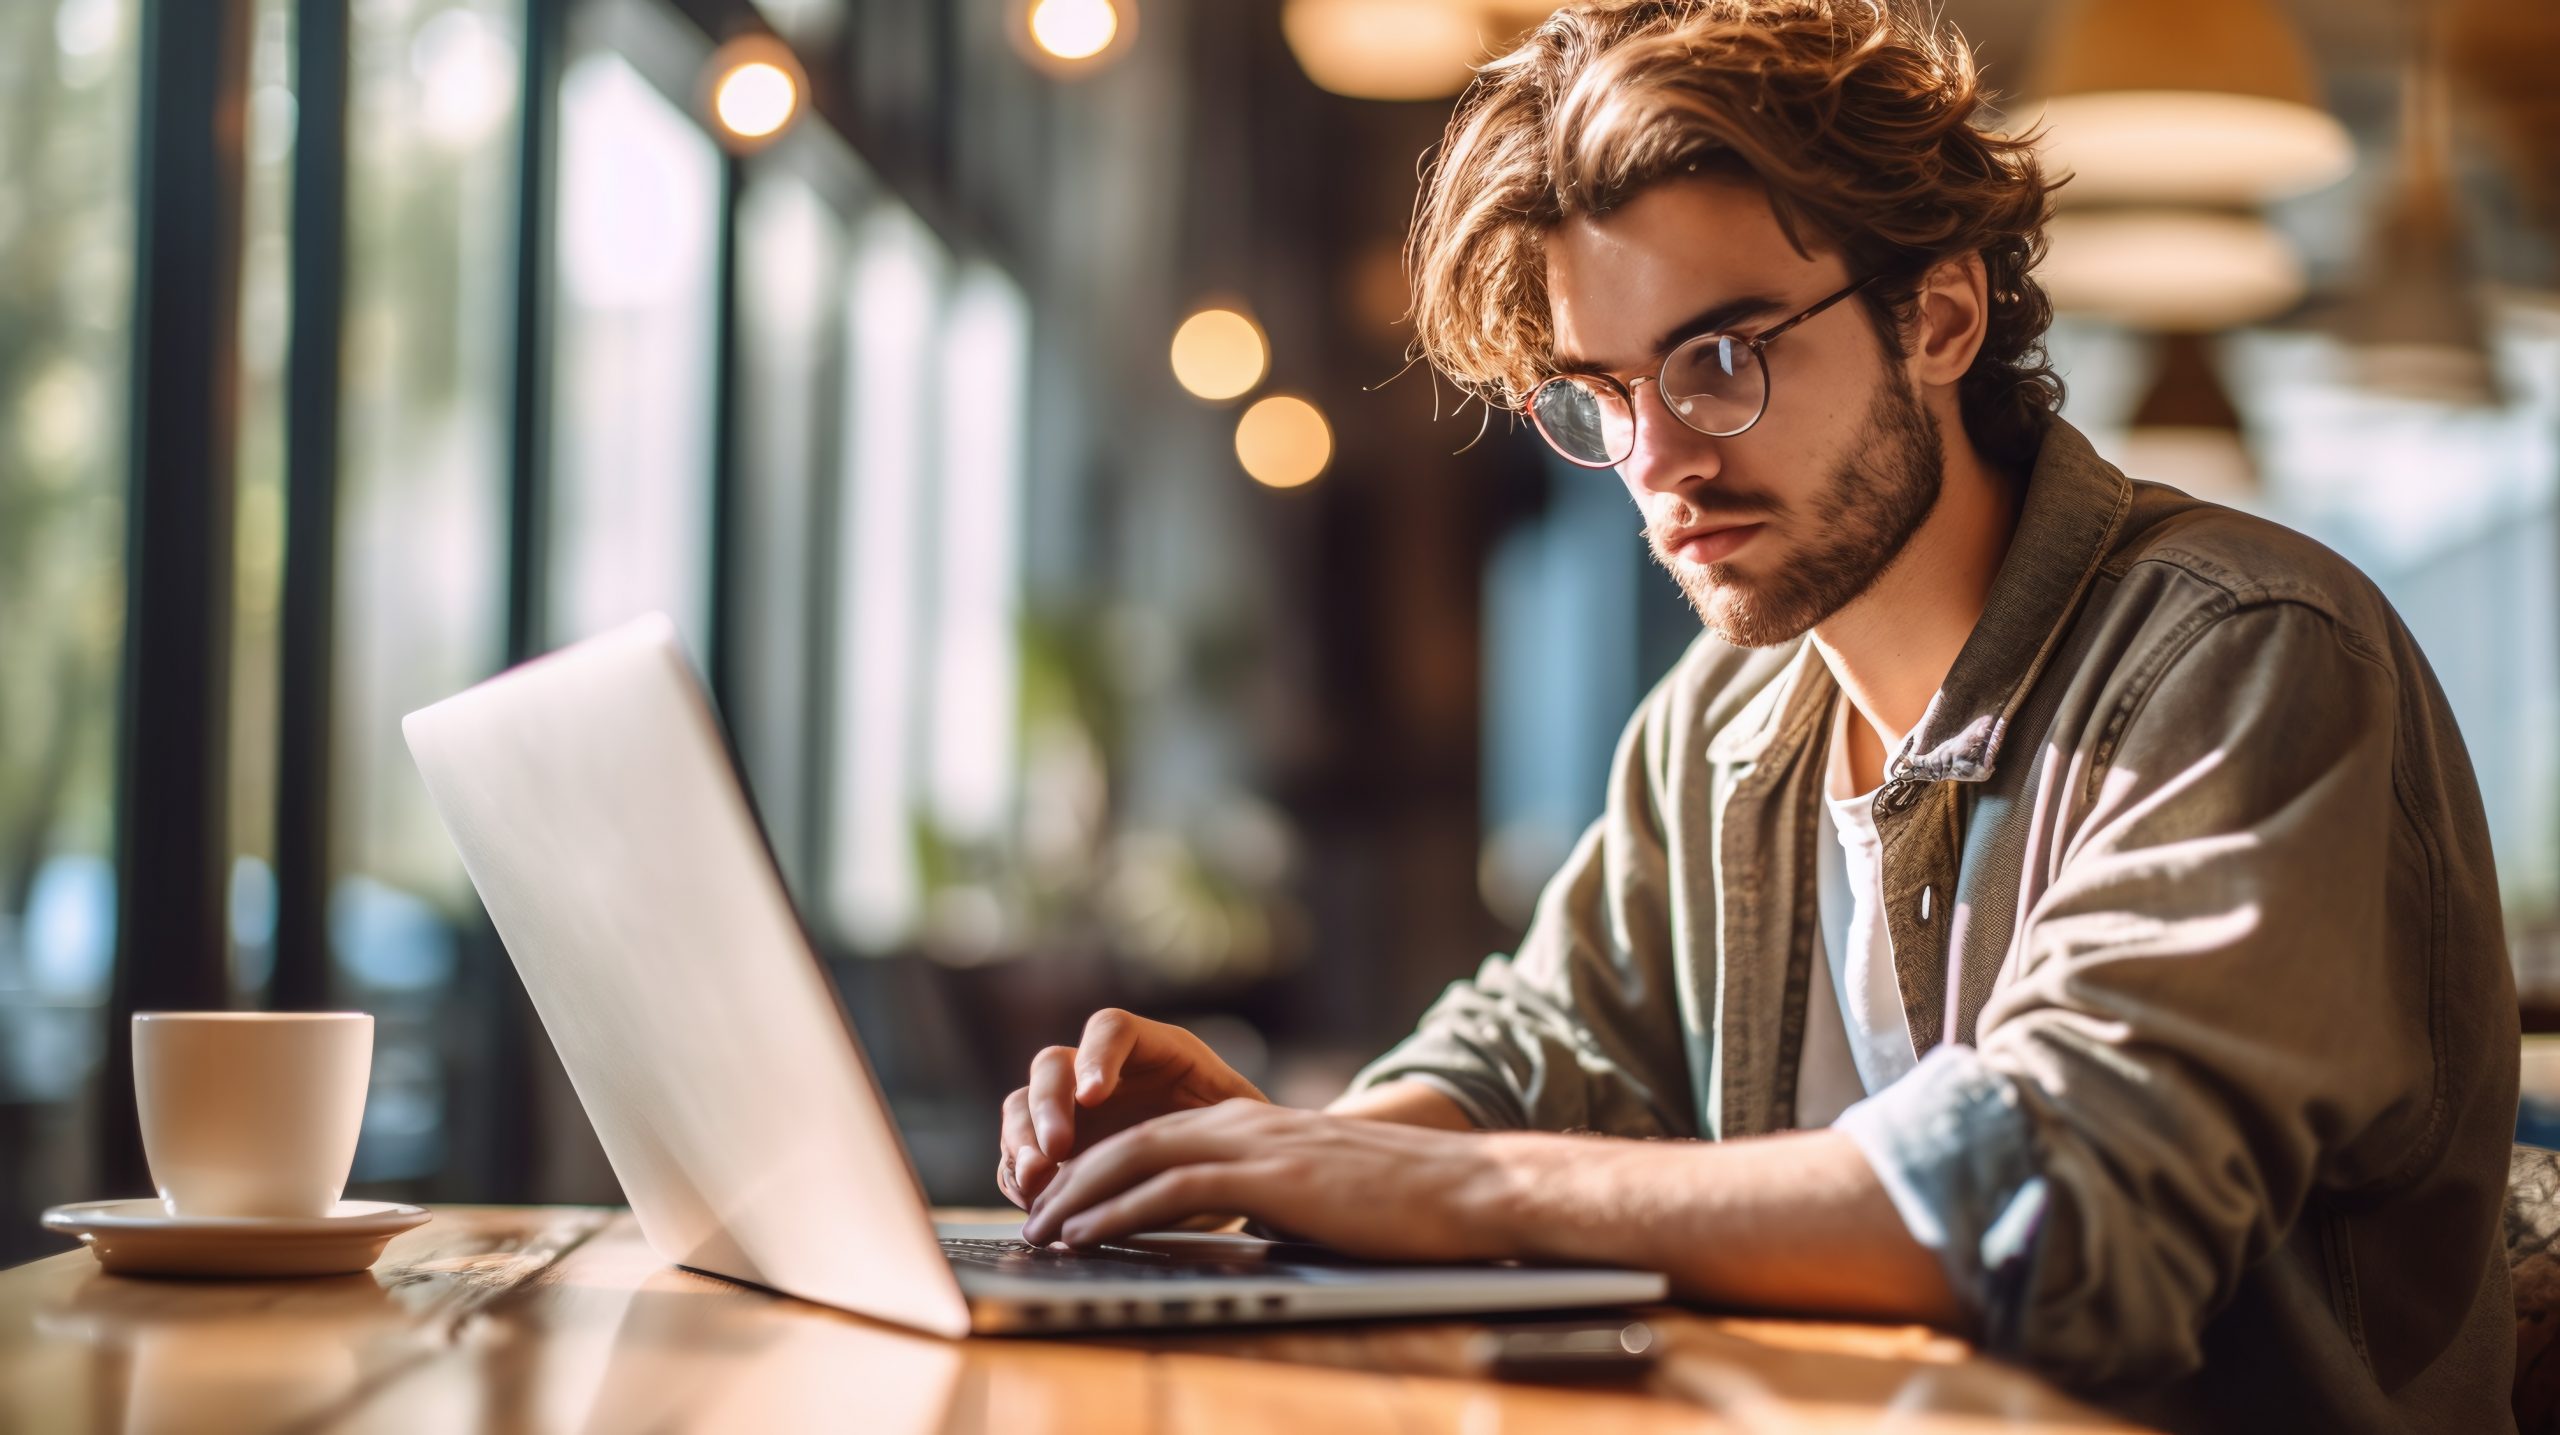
140 1237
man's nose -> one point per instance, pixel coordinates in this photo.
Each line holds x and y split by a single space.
1668 455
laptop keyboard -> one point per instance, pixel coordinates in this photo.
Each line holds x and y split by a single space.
1101 1263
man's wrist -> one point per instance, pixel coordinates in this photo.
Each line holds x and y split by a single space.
1508 1204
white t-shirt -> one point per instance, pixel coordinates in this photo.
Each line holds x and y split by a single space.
1855 1040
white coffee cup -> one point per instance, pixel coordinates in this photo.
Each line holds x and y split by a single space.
251 1113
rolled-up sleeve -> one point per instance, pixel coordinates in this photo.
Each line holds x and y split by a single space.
2209 1015
1579 1028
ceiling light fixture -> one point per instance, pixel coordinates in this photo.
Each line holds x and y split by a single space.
1072 37
1401 49
753 88
2208 102
2170 268
2186 431
2413 321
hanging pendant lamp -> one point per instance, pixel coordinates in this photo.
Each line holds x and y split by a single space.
2413 322
1402 49
2186 432
2200 102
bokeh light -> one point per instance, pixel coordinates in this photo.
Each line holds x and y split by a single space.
1283 441
1219 354
755 99
1074 29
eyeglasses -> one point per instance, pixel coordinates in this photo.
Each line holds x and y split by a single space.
1717 384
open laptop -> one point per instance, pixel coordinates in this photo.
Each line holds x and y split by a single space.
597 809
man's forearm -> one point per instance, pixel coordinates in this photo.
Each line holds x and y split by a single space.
1410 1103
1796 1222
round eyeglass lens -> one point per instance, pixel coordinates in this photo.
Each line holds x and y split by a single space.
1715 384
1586 421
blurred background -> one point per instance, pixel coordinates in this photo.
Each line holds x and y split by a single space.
1009 400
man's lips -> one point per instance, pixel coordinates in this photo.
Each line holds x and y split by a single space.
1709 543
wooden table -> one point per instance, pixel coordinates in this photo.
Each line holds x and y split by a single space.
562 1319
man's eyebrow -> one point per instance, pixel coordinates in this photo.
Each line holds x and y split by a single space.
1705 321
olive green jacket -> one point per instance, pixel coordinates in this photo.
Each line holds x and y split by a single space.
2195 922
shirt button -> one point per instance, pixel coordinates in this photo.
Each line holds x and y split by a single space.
1926 894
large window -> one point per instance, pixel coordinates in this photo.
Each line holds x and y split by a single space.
630 522
874 886
971 760
67 97
266 321
866 482
791 259
927 706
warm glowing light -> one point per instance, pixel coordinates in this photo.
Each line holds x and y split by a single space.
1402 49
2191 147
2171 269
2197 102
752 88
1074 29
755 99
1283 442
1219 354
1384 49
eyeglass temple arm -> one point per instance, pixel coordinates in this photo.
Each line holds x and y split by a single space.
1762 339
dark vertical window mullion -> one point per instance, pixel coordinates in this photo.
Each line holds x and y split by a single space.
306 687
172 839
728 527
537 165
510 1075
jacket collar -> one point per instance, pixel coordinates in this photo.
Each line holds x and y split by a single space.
2075 503
1780 706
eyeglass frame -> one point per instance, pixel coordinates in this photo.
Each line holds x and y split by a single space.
1758 344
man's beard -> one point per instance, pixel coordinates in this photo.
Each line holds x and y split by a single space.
1862 518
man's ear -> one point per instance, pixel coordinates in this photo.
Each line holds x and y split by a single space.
1950 317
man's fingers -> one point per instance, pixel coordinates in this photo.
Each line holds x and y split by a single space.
1032 1171
1014 1144
1021 1147
1109 1036
1014 1132
1209 1133
1167 1198
1052 1102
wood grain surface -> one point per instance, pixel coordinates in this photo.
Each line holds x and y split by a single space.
562 1319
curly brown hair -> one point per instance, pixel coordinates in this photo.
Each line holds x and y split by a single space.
1855 118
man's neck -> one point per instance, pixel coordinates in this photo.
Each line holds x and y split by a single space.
1891 647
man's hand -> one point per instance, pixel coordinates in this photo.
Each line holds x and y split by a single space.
1794 1222
1370 1188
1127 1069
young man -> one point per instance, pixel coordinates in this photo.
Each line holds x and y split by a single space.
2063 907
